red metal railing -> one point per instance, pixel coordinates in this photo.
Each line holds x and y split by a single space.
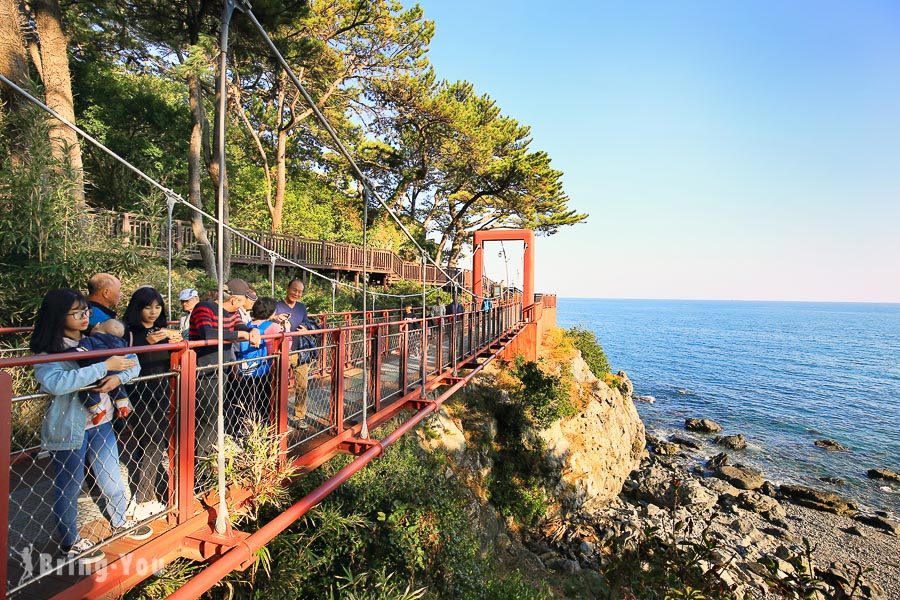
406 359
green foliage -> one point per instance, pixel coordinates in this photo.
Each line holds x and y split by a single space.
591 350
45 240
544 397
395 528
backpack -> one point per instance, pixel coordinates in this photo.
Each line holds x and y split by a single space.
254 368
309 344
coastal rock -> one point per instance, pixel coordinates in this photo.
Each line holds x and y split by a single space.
692 493
832 480
817 499
645 399
702 425
596 449
760 503
721 487
735 442
686 442
719 460
885 474
846 580
878 522
830 445
443 433
664 448
769 489
741 477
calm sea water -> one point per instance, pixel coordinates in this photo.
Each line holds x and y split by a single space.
782 373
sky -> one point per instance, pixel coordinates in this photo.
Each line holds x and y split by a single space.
723 150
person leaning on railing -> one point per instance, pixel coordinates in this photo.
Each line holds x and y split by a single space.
146 437
293 316
67 432
255 369
204 325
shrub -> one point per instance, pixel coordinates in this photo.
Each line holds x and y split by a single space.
544 397
591 350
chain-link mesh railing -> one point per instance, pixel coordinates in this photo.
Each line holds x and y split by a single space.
100 492
323 380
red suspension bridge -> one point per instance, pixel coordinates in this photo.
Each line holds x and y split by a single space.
406 367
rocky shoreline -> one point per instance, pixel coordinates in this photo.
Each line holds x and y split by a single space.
620 492
760 531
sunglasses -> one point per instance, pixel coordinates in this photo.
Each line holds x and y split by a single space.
80 314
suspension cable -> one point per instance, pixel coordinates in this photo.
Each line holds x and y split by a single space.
174 196
244 7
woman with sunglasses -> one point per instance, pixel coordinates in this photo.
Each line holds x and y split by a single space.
67 431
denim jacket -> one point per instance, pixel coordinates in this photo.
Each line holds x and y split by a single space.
65 417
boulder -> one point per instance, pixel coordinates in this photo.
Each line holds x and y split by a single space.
691 493
740 476
830 445
666 448
686 442
878 522
702 425
719 460
735 442
817 499
760 503
886 474
720 487
832 480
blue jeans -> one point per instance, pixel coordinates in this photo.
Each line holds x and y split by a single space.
99 450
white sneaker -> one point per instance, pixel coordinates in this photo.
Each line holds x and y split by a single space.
145 510
134 531
129 509
85 552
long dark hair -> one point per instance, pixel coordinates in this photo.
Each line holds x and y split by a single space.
141 298
51 319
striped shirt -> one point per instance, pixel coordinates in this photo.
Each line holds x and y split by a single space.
204 325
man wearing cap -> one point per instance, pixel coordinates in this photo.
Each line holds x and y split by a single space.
189 298
204 325
247 306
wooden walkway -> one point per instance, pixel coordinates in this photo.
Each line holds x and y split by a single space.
148 233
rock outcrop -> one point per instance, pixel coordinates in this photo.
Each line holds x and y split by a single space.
886 474
702 425
735 442
596 449
830 445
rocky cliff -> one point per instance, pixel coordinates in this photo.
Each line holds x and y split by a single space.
587 457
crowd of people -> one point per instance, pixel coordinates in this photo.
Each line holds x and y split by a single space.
98 415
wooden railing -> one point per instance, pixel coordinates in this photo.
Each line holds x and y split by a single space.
149 234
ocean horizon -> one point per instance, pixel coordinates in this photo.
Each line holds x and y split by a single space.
783 373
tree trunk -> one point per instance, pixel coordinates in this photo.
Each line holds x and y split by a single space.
13 65
280 157
195 157
213 167
58 89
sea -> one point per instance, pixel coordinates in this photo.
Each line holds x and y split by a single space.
784 374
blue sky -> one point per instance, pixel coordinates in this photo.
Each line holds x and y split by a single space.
726 150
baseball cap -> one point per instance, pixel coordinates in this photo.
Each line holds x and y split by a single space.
239 287
187 293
